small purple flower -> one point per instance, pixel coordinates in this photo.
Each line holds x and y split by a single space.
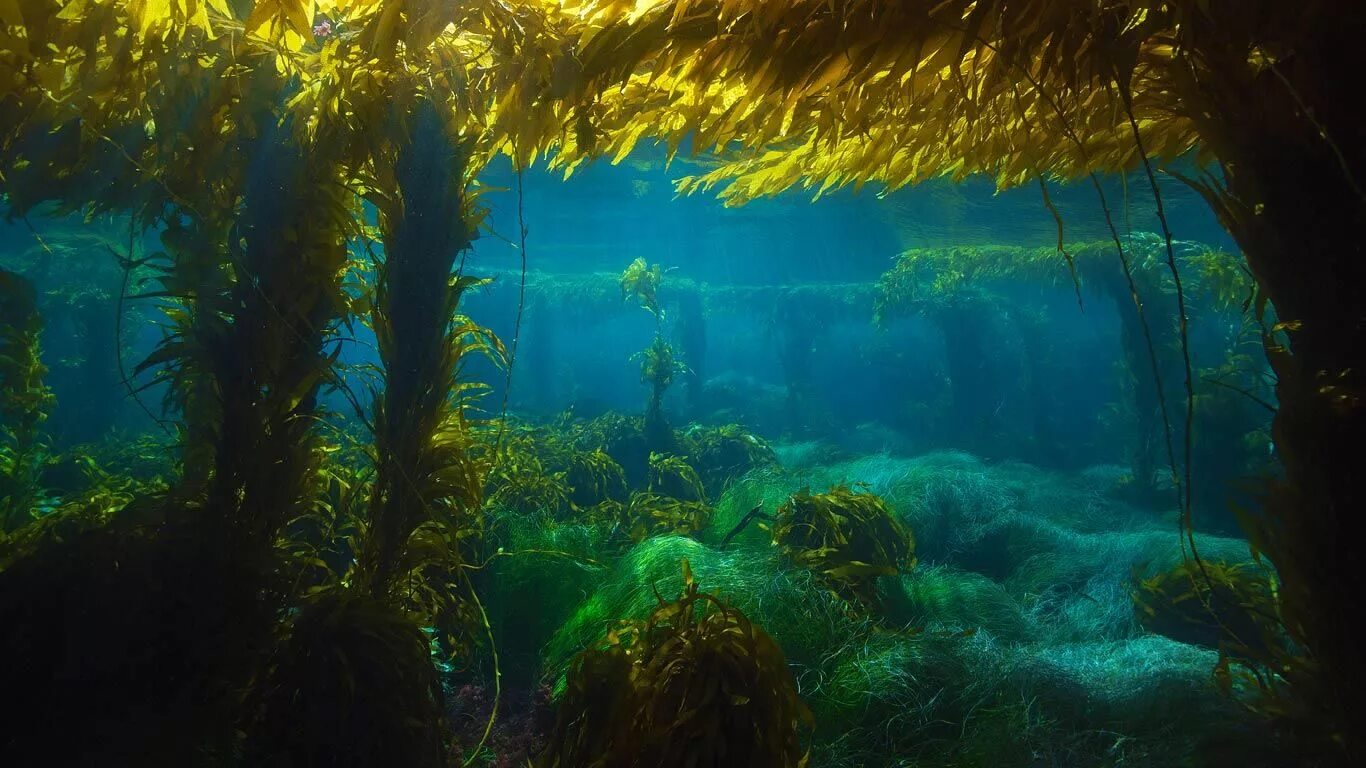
322 28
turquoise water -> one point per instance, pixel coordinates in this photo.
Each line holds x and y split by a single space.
1012 421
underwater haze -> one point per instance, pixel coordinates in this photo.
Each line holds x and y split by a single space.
682 383
895 432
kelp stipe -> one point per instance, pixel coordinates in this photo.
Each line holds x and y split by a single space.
430 474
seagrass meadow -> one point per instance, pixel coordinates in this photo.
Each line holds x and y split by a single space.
682 383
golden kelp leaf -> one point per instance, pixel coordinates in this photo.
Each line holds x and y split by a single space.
276 19
10 13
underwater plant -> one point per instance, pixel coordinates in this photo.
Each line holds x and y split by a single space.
674 476
1228 606
657 369
724 454
24 401
593 477
694 684
430 469
849 539
649 514
520 481
641 282
112 104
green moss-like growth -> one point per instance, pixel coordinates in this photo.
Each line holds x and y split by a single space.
848 538
24 401
790 603
694 684
945 599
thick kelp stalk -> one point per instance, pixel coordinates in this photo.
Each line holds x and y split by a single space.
24 401
641 281
429 473
1293 157
195 275
287 255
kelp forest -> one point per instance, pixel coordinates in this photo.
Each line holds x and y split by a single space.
682 383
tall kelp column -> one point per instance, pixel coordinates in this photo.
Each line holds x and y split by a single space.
821 95
252 137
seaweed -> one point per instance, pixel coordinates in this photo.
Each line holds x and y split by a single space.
849 539
721 455
545 470
694 684
1228 606
520 481
24 402
657 362
657 369
353 684
641 281
650 514
593 477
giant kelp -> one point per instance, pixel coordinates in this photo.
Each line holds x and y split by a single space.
955 286
133 106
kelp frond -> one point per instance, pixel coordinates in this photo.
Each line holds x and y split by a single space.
848 539
24 401
694 684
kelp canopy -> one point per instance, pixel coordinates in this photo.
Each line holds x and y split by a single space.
168 110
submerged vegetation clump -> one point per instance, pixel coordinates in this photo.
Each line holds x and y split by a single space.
694 684
849 539
24 401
